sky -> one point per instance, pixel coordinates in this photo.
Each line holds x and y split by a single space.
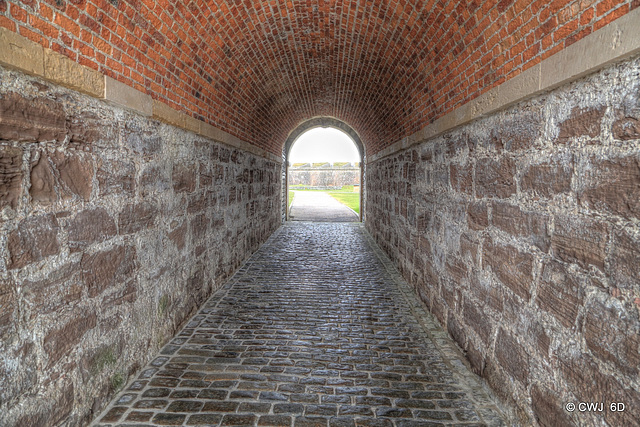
324 145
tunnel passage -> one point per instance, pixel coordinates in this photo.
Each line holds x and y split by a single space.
141 165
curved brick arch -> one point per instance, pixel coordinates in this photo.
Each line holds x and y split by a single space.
255 69
323 122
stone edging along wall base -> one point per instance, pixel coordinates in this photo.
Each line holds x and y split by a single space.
614 42
20 53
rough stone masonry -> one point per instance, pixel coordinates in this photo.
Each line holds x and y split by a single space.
114 229
521 233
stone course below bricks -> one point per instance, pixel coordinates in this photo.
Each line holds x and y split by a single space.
316 329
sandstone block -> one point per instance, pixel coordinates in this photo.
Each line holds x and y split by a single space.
612 185
60 289
141 139
560 294
477 320
136 217
581 122
76 172
8 305
512 267
90 226
89 128
487 294
477 216
546 408
116 177
43 182
184 178
62 70
581 241
154 179
19 52
178 236
107 269
61 340
612 333
10 176
127 97
624 261
548 179
35 239
31 120
520 130
626 128
495 178
513 358
511 219
461 178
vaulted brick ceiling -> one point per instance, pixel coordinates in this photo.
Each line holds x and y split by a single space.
258 68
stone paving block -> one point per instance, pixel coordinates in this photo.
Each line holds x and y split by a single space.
297 338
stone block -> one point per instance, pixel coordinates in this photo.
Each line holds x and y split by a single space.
624 260
519 129
513 357
477 216
136 217
518 223
166 114
626 129
560 294
43 182
63 339
184 178
154 179
548 178
581 241
88 227
511 266
91 128
61 288
10 176
461 178
116 177
495 177
62 70
108 269
612 333
8 305
612 186
547 408
585 122
75 171
31 120
178 236
125 96
34 239
19 52
477 320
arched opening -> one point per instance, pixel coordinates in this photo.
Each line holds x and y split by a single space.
331 172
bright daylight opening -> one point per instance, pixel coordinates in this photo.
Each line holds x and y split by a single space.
324 177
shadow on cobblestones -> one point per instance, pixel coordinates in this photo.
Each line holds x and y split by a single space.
316 329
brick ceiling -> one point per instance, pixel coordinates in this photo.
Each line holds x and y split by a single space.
258 68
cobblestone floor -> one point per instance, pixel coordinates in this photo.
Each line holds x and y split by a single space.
316 329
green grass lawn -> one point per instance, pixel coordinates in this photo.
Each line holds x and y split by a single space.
290 199
347 198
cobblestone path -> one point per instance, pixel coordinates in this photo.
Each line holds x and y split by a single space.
314 330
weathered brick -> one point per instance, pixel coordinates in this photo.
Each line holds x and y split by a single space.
612 185
61 340
10 176
548 179
31 120
580 240
513 220
106 269
512 267
513 357
495 178
35 239
612 333
560 294
88 227
581 122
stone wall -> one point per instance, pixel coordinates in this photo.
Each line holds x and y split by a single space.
115 228
521 233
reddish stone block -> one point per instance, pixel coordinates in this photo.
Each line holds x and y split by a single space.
8 305
581 122
107 269
477 216
10 176
519 130
35 239
511 219
624 260
43 182
477 320
547 179
61 340
547 408
461 178
626 129
512 267
62 287
581 241
495 178
90 226
136 217
560 294
513 357
612 185
116 177
31 120
75 171
184 178
178 236
612 333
